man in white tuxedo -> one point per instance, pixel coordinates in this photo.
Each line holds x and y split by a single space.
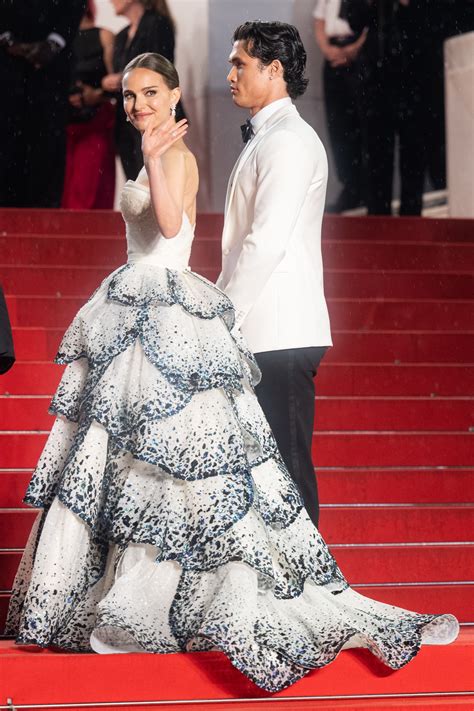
271 245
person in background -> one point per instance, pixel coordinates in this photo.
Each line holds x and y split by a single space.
90 162
35 58
151 29
393 58
340 44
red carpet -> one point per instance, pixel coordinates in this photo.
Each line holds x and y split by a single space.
393 445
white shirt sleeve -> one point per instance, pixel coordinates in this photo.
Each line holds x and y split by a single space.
319 12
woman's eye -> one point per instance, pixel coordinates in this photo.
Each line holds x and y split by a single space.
150 92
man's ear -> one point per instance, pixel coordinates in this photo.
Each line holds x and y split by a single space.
276 69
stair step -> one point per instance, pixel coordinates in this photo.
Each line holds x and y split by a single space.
389 486
396 346
414 229
106 222
336 486
21 450
68 678
54 222
366 413
370 564
110 252
440 414
346 449
345 314
341 283
394 379
403 315
339 524
349 346
344 379
427 599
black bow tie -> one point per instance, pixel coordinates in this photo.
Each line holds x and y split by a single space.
247 131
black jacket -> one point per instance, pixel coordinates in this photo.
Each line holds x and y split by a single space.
33 21
154 34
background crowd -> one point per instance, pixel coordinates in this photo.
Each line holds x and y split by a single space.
63 123
384 88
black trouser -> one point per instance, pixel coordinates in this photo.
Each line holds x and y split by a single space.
343 116
33 120
286 395
7 354
394 104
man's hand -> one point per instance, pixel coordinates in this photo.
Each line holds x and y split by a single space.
351 52
333 55
39 54
112 82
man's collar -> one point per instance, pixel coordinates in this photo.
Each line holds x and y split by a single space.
264 114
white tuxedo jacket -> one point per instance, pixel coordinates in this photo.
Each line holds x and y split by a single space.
272 267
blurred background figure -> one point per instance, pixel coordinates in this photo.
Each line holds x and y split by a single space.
341 43
403 95
392 59
151 29
35 54
90 162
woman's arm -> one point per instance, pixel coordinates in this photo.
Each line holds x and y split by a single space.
107 42
166 172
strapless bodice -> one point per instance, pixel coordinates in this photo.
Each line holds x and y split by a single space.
145 243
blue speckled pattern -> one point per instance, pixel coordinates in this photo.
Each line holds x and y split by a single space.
169 521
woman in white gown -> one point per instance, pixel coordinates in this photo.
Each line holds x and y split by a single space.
169 521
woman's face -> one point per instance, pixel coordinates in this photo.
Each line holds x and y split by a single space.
146 98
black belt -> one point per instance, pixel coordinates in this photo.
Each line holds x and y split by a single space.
343 41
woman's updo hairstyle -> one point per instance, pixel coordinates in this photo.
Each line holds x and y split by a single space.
155 63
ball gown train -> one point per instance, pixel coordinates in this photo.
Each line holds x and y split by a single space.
169 521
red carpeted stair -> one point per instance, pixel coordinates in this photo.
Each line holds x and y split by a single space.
393 446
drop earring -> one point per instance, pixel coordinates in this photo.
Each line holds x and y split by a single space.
173 111
128 119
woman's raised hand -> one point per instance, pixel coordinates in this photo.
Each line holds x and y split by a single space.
157 139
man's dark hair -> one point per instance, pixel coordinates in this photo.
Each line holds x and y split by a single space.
277 40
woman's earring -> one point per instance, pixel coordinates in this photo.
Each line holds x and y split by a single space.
173 111
128 119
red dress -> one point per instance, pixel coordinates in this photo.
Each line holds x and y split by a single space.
90 160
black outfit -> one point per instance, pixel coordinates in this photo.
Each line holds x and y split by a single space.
344 122
342 94
393 94
7 354
88 68
154 34
286 396
33 118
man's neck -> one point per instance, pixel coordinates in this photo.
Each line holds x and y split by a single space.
255 109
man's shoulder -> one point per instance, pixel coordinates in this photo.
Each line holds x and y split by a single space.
291 126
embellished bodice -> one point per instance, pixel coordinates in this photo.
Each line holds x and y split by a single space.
145 243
